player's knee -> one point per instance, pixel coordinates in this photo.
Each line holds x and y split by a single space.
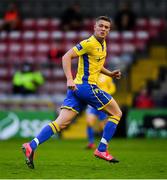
62 125
117 114
90 123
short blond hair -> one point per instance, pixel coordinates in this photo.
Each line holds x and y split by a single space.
105 18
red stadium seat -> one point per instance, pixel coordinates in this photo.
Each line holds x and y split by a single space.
53 87
42 24
3 51
14 36
56 35
3 37
155 26
6 87
58 73
28 52
114 37
42 48
88 24
54 24
68 45
3 72
42 36
42 52
128 48
28 36
14 51
71 36
59 86
142 24
83 35
29 24
114 48
142 38
47 73
128 37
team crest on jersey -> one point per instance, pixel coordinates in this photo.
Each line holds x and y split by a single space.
79 47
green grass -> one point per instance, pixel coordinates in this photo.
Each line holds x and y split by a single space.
67 159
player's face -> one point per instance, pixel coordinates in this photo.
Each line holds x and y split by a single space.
102 28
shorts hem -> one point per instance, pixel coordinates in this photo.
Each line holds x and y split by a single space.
69 108
100 108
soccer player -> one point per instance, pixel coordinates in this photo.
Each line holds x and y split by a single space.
106 84
83 90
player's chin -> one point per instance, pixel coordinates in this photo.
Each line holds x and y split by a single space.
102 35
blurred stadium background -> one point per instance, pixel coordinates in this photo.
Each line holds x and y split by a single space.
140 53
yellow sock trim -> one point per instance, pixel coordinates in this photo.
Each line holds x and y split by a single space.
114 119
57 126
54 127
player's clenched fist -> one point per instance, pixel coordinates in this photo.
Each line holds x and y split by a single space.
116 74
71 85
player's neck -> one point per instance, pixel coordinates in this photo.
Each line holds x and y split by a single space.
101 40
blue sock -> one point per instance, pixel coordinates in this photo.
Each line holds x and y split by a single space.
44 135
90 134
108 133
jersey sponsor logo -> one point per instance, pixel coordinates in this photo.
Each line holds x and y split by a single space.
79 47
98 58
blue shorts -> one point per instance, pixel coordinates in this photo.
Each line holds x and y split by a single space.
86 94
100 114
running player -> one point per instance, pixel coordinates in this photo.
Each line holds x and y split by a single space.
83 90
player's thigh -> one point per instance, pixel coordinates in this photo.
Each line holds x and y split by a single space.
65 117
113 108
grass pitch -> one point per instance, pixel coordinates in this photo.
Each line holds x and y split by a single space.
67 159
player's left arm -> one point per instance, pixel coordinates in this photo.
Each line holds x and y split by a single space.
115 74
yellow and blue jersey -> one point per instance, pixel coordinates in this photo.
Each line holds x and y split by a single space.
92 56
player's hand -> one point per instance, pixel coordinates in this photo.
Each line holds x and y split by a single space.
71 85
116 74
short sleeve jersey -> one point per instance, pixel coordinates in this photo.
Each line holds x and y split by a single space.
92 56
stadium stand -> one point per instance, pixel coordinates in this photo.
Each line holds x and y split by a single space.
41 26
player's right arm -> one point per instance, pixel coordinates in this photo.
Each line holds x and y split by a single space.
76 51
66 61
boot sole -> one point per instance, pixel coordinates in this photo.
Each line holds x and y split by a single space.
110 161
